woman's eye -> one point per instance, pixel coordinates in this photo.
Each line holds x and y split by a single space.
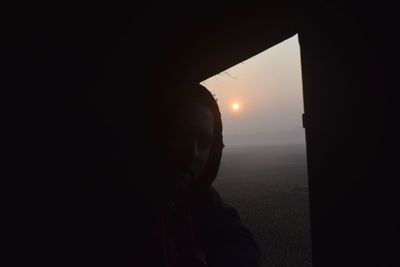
204 141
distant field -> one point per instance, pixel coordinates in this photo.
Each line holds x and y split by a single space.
268 186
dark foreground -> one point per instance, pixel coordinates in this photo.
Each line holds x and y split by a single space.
268 186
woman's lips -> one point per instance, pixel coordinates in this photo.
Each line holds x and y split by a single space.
184 179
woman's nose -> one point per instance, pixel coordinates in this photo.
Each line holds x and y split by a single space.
192 149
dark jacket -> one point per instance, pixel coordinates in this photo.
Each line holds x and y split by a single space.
212 235
221 234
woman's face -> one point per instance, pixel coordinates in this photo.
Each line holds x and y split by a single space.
189 143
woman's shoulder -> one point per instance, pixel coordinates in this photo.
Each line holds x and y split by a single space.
210 208
222 233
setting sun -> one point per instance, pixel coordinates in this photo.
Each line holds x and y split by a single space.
236 106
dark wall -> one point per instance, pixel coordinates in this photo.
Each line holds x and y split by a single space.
347 61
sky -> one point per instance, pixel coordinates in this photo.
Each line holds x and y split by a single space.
267 91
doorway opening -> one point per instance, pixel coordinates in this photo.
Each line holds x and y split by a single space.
263 171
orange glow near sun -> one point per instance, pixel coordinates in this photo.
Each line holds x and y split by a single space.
236 106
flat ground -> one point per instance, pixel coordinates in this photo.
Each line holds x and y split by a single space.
268 186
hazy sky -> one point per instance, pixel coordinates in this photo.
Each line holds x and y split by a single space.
268 89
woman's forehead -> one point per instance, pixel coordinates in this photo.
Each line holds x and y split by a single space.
196 116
